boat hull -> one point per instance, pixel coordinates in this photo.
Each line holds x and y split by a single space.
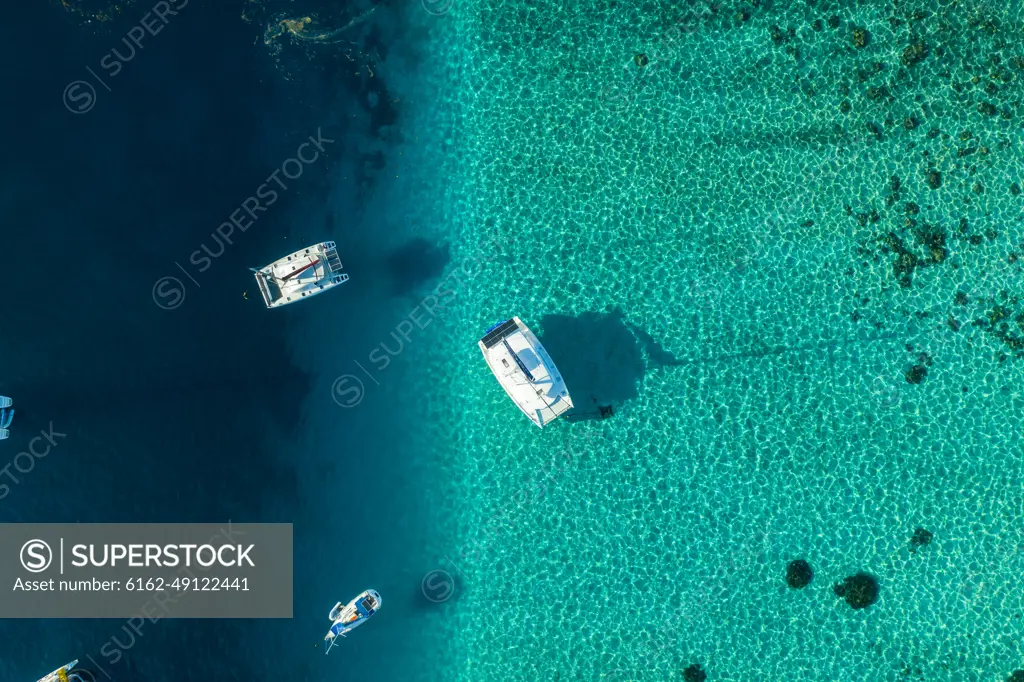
300 275
347 618
524 369
61 674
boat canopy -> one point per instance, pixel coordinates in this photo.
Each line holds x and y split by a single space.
525 370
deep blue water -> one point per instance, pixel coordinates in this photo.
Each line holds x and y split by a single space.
181 415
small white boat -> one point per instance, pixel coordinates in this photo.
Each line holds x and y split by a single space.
299 275
6 416
525 370
350 616
61 674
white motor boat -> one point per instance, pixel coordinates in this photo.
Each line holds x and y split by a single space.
526 371
65 674
299 275
6 416
350 616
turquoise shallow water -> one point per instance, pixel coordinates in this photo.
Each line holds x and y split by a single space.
788 253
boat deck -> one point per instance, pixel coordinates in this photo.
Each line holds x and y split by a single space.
301 274
61 674
526 371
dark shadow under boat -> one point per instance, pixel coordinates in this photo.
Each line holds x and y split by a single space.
600 359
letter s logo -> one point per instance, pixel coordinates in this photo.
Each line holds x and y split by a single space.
36 556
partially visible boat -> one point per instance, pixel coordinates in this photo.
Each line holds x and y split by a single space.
350 616
62 674
6 416
299 275
526 371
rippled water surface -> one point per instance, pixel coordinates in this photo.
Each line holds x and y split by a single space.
781 240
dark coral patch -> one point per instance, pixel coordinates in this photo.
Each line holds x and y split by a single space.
914 53
695 673
921 538
860 590
860 37
799 574
916 374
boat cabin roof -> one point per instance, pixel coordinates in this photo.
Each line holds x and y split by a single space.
525 371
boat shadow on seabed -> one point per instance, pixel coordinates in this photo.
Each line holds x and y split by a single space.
601 358
415 263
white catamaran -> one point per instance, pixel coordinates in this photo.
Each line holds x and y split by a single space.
350 616
6 416
299 275
61 674
525 370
